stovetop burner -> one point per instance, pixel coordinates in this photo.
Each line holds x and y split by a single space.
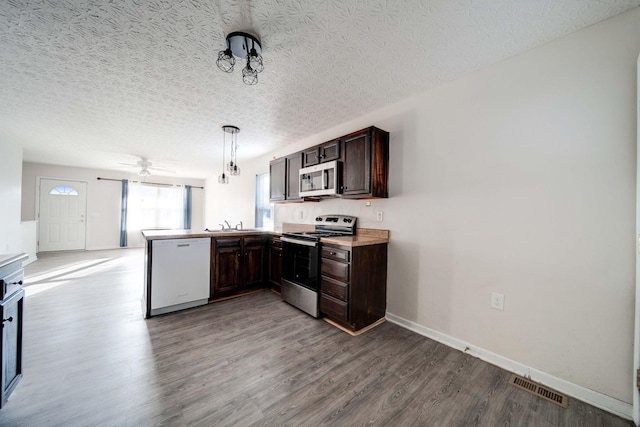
327 226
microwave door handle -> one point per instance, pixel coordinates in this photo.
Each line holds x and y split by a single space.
325 179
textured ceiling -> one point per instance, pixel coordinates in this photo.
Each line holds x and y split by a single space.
93 83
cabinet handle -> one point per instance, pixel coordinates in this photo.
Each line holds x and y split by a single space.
10 319
16 283
238 253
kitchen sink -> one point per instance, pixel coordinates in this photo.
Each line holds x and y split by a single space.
231 230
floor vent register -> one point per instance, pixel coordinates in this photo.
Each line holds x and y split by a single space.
539 390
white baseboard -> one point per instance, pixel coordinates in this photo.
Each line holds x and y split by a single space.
599 400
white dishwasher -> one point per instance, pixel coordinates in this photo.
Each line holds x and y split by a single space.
180 274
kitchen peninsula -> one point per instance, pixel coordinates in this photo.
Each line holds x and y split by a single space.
242 261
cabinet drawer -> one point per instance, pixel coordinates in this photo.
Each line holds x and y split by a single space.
335 269
334 288
255 241
226 243
336 253
333 308
276 243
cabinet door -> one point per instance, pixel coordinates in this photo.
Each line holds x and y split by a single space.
277 179
11 312
330 151
310 157
294 163
254 261
227 266
357 164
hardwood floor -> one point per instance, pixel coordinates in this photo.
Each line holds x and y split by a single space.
91 359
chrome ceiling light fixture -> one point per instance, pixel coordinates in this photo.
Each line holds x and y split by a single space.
242 46
232 166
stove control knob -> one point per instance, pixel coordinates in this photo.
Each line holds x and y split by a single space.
319 219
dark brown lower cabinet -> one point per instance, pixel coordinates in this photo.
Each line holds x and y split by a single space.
239 264
275 264
353 286
11 312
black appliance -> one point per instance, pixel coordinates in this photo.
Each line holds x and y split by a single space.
301 260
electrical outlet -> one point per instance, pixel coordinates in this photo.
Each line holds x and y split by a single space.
497 301
379 216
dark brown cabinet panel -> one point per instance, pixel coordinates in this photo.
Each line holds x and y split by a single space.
254 261
239 264
334 309
294 163
310 157
365 167
356 168
278 179
335 269
275 264
226 277
353 287
325 152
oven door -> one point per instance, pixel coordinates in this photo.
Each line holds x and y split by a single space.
300 263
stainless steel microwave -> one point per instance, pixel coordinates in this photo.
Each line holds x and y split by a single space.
321 180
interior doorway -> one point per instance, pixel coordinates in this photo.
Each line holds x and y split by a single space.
61 215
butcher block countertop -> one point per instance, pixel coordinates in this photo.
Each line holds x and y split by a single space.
364 236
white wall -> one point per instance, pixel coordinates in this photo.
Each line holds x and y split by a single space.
103 199
10 184
518 179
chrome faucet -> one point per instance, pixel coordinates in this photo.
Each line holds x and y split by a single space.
241 226
228 225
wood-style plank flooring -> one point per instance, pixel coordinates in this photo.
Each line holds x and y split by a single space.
90 359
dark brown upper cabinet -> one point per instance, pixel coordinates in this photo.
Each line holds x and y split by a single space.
365 169
321 153
294 163
278 179
365 166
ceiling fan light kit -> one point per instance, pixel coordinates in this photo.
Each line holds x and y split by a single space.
242 45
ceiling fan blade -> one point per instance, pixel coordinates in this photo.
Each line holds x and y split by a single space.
128 164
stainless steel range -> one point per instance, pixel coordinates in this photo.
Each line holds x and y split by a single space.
301 260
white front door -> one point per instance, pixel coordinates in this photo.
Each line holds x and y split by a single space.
62 216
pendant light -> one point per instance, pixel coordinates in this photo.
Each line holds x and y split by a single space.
223 178
232 166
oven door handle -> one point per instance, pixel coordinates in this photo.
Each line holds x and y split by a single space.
299 242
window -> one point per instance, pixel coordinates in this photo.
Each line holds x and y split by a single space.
63 190
264 209
155 207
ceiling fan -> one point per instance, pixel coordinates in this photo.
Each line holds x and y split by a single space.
146 167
